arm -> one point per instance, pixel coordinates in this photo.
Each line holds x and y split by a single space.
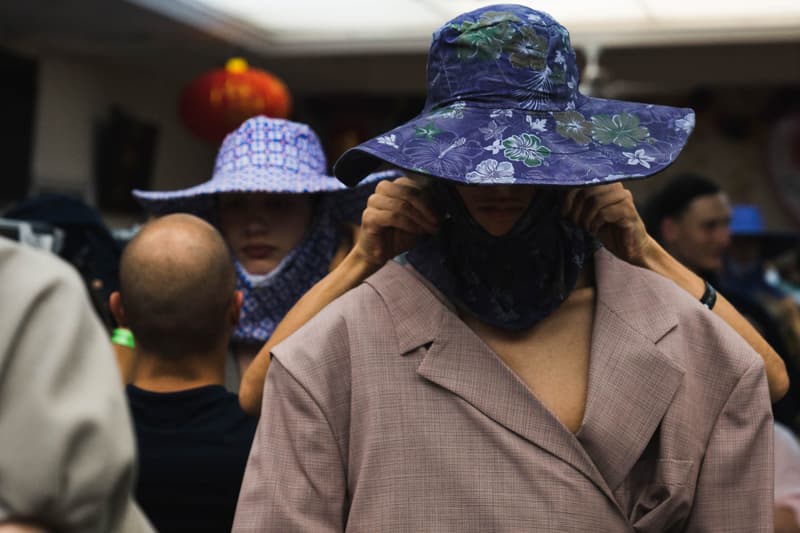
658 260
395 216
608 212
295 477
787 481
734 490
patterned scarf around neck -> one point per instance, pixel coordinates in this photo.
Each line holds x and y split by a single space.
268 298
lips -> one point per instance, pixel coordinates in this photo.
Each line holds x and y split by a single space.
258 251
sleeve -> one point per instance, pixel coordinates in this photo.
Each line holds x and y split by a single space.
68 452
787 470
295 478
734 490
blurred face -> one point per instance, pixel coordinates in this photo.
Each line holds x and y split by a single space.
496 207
701 235
262 228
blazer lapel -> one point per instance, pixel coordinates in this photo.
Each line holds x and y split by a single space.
459 361
631 381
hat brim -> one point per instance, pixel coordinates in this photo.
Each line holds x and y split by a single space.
199 199
600 141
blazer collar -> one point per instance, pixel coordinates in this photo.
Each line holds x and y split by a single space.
416 306
631 382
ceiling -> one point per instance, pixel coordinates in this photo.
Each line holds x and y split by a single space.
280 27
380 46
111 31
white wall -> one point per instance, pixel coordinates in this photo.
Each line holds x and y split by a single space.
73 96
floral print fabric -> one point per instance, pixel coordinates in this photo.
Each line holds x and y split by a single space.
504 107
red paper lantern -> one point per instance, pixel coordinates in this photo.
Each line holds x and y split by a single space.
217 102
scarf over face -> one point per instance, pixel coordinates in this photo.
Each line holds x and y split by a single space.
512 281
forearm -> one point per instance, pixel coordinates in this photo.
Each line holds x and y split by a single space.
348 274
658 260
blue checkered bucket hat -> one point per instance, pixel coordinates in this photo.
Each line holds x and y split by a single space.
503 106
262 155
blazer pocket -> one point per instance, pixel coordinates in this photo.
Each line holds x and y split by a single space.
664 503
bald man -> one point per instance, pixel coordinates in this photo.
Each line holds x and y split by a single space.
177 295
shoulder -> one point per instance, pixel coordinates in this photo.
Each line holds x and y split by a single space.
34 270
36 286
694 337
343 328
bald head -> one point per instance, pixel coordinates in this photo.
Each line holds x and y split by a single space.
177 286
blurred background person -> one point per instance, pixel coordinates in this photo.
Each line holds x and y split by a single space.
89 246
178 296
286 222
747 275
691 217
67 458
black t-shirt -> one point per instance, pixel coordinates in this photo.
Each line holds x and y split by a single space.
193 448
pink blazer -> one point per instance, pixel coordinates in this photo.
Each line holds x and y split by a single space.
387 413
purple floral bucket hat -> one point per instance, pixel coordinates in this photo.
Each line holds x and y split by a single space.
262 155
503 106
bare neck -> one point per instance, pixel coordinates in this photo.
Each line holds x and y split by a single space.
159 374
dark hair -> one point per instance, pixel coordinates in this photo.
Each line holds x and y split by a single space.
673 200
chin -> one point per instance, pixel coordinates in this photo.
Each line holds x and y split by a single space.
498 230
258 268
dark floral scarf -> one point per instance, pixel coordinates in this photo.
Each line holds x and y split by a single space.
512 281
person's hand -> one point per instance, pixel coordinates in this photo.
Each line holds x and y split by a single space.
608 212
397 214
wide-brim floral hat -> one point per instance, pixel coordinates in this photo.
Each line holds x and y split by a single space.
503 106
263 155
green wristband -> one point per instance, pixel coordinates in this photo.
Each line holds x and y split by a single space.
123 337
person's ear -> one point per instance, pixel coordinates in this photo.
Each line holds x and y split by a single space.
115 304
236 307
669 230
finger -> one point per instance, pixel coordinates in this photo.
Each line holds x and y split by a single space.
410 192
376 220
612 215
403 207
414 192
578 198
409 182
598 201
590 199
